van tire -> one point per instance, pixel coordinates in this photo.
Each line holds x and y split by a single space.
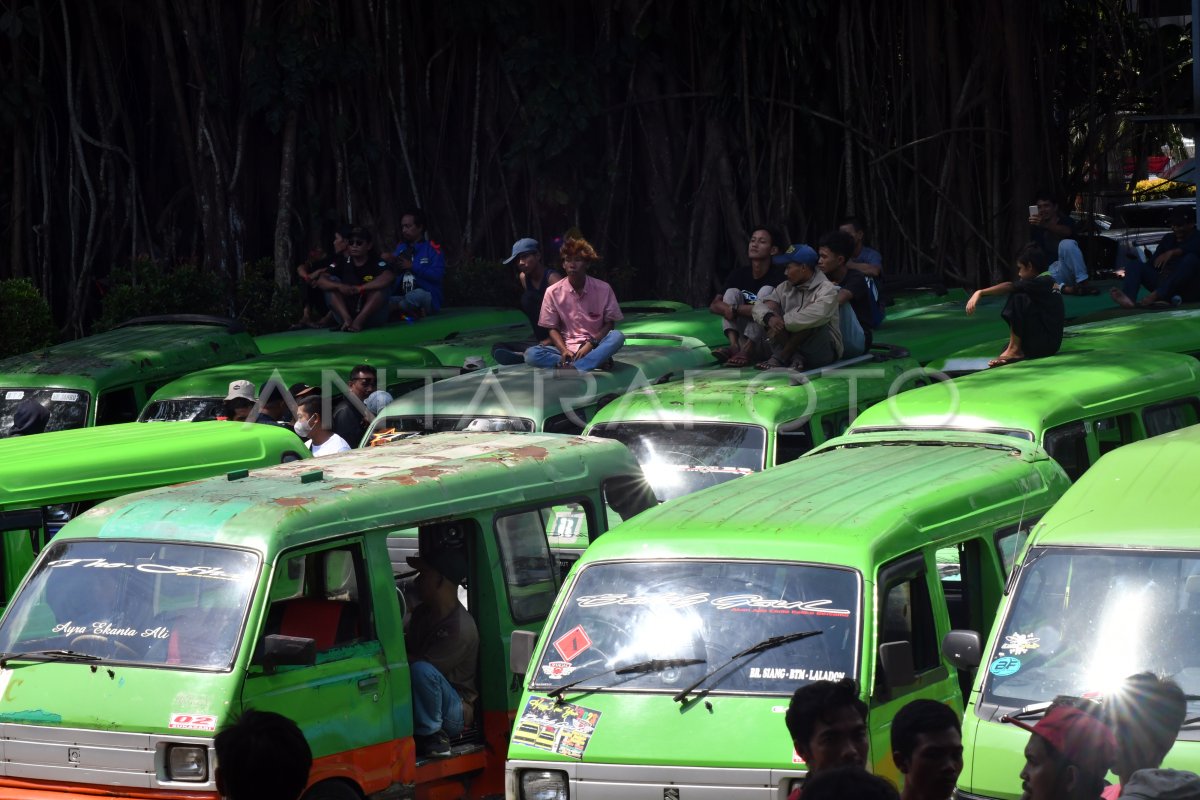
332 790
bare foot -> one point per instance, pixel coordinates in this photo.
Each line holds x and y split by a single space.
1120 298
1149 300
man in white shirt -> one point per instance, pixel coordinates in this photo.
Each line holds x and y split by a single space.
310 426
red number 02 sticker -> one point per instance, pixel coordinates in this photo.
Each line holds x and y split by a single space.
193 722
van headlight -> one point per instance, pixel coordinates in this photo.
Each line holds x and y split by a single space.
187 762
544 784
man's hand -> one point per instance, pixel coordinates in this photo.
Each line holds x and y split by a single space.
1161 259
1037 220
972 302
567 358
347 289
775 325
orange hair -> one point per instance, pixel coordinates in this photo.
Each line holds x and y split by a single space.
578 248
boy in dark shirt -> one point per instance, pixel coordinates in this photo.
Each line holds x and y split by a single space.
736 304
1034 311
854 297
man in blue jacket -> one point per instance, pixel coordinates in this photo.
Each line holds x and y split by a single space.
420 268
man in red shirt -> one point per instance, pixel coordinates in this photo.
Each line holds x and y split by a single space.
580 314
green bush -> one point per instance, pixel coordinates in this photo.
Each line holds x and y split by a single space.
27 321
481 283
145 288
261 306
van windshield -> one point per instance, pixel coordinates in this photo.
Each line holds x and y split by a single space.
686 457
623 613
183 409
176 605
1083 620
68 408
450 422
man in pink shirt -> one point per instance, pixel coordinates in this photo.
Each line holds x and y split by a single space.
579 313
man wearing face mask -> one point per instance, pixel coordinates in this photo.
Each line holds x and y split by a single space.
310 426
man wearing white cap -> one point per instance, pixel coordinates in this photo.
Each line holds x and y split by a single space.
535 278
239 401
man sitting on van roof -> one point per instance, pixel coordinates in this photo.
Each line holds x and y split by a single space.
800 315
443 649
828 724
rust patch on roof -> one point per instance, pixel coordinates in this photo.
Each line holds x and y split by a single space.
293 501
403 480
531 451
427 472
345 487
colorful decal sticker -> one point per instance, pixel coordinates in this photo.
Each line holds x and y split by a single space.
1020 643
1005 665
176 570
572 643
569 525
732 602
557 669
107 629
794 674
193 722
555 727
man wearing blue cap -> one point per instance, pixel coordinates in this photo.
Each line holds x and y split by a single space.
535 278
800 315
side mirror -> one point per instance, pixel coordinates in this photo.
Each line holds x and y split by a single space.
963 648
520 651
896 661
278 650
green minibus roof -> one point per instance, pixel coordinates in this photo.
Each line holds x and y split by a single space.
850 506
392 486
141 350
760 398
447 322
91 463
1036 395
1144 494
529 392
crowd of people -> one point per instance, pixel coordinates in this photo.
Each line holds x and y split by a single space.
1071 748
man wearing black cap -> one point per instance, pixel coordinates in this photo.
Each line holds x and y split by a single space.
1173 274
359 288
443 649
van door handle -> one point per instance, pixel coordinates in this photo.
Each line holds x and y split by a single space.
368 684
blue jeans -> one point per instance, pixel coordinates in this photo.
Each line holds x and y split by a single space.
1175 279
1070 268
416 300
436 705
547 355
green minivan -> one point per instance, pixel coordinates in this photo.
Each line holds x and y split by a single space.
1078 406
50 478
107 378
1108 586
152 620
667 662
717 425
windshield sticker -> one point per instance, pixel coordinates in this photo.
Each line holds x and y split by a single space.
193 722
1020 643
1005 665
568 526
63 397
562 728
572 643
734 602
13 395
557 669
149 568
105 628
794 674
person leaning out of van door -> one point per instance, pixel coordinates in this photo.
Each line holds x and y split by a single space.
443 649
580 315
1034 311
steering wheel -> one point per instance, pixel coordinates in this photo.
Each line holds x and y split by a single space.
117 645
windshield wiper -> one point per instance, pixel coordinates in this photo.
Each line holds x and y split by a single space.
638 668
764 645
48 655
1030 711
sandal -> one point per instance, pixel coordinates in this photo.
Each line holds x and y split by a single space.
722 354
771 363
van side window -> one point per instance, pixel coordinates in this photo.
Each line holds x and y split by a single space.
835 424
315 595
118 405
961 572
907 616
1010 541
791 445
568 423
530 572
1067 444
1172 416
1112 432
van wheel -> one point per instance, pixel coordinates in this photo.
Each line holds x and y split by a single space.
332 790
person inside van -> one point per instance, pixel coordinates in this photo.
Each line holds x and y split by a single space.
312 428
1145 713
1034 311
262 756
29 417
1067 756
443 650
828 725
801 316
927 748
